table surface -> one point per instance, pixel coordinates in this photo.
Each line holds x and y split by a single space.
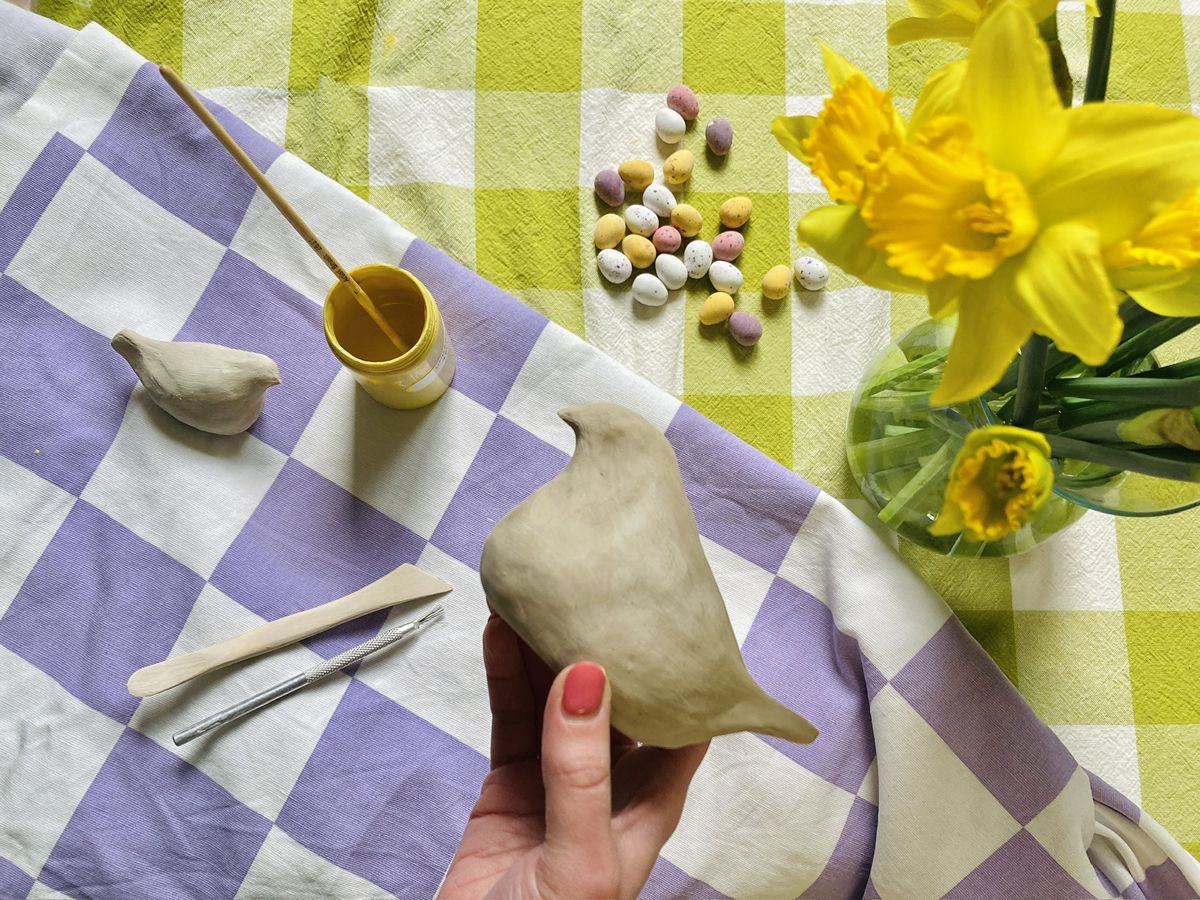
479 127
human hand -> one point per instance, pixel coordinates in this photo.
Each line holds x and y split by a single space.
571 808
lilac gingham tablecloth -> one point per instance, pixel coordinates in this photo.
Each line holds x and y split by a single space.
126 537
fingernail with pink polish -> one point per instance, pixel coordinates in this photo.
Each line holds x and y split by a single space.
583 690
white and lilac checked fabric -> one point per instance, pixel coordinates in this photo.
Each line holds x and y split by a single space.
126 537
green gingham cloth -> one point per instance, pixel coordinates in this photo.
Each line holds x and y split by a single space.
479 124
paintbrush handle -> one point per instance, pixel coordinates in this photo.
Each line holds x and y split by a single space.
235 150
399 586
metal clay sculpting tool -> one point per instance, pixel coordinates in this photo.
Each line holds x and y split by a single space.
311 676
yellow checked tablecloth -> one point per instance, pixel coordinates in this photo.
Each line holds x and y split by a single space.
479 124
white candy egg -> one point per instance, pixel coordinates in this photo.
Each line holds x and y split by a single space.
725 276
811 272
641 220
669 125
649 291
671 271
697 258
614 265
658 197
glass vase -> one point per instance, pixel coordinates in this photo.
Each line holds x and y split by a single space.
900 450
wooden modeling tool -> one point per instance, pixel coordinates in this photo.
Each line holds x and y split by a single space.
235 150
399 586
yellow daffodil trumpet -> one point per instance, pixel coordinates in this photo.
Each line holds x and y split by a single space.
1001 206
999 479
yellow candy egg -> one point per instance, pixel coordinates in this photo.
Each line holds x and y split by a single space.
678 167
717 308
639 250
636 173
777 282
735 212
686 219
609 231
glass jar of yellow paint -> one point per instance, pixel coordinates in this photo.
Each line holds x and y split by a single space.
406 378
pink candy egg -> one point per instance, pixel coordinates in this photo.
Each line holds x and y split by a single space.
667 239
683 100
728 245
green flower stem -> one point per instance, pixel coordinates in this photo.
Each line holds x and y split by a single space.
917 366
1147 463
1158 391
1101 52
894 450
1135 318
930 477
1146 341
1186 369
1100 411
1031 376
1048 29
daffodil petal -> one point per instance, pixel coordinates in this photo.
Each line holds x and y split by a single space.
1120 163
837 68
943 296
791 132
1062 285
839 234
1041 9
991 328
947 27
1009 94
1180 299
949 521
940 95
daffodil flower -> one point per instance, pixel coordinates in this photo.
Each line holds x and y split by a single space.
956 20
1000 478
1158 265
994 201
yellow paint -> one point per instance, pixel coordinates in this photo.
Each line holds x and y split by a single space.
419 375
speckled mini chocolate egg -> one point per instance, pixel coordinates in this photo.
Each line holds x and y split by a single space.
717 308
669 125
649 291
671 271
610 228
725 277
745 328
812 273
735 212
636 173
609 187
678 168
666 240
614 265
639 250
641 220
658 197
719 135
697 257
682 99
777 282
687 219
728 245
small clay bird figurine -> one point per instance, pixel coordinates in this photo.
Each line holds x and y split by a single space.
216 389
604 563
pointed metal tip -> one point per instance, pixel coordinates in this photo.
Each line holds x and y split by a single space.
430 617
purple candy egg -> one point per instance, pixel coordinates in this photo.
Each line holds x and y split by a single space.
745 328
609 187
719 134
666 239
683 100
728 245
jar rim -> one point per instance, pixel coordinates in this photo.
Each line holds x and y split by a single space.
409 357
